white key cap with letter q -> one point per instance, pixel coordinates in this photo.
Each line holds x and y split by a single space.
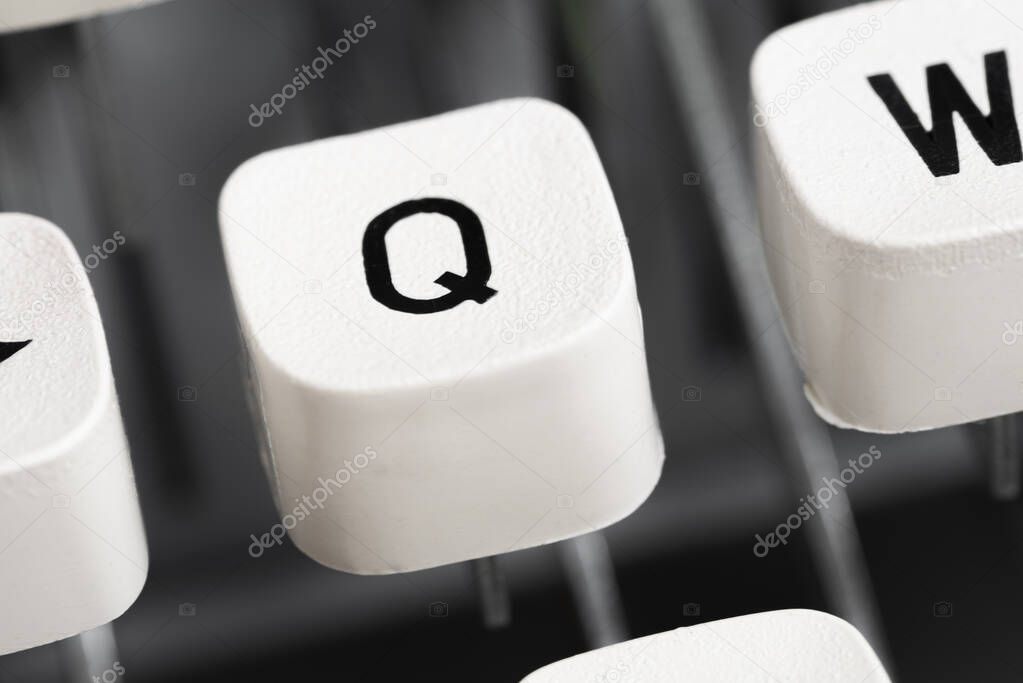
889 162
796 646
19 15
445 337
72 547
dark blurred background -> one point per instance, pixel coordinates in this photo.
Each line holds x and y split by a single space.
139 133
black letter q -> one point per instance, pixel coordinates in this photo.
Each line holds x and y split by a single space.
472 285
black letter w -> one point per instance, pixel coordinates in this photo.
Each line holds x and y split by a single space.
996 133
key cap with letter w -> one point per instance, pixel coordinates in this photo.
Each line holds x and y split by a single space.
889 164
445 337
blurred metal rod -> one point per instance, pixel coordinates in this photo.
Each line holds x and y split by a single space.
591 577
90 656
495 601
694 66
1003 458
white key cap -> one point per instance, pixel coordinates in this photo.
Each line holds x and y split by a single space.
481 407
796 646
893 227
19 15
72 549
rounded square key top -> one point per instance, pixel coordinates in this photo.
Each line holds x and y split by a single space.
446 342
796 646
889 167
72 548
17 15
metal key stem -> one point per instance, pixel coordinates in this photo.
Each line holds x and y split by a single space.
495 602
591 577
90 655
1004 458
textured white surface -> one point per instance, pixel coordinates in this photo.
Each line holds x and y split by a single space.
896 286
18 15
496 426
795 646
72 549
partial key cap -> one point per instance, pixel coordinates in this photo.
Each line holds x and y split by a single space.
796 646
19 15
889 162
445 336
72 549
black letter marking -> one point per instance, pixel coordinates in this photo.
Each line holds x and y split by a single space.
472 285
8 349
997 133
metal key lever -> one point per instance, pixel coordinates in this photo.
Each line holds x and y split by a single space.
590 574
495 602
804 439
91 655
588 564
1003 454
